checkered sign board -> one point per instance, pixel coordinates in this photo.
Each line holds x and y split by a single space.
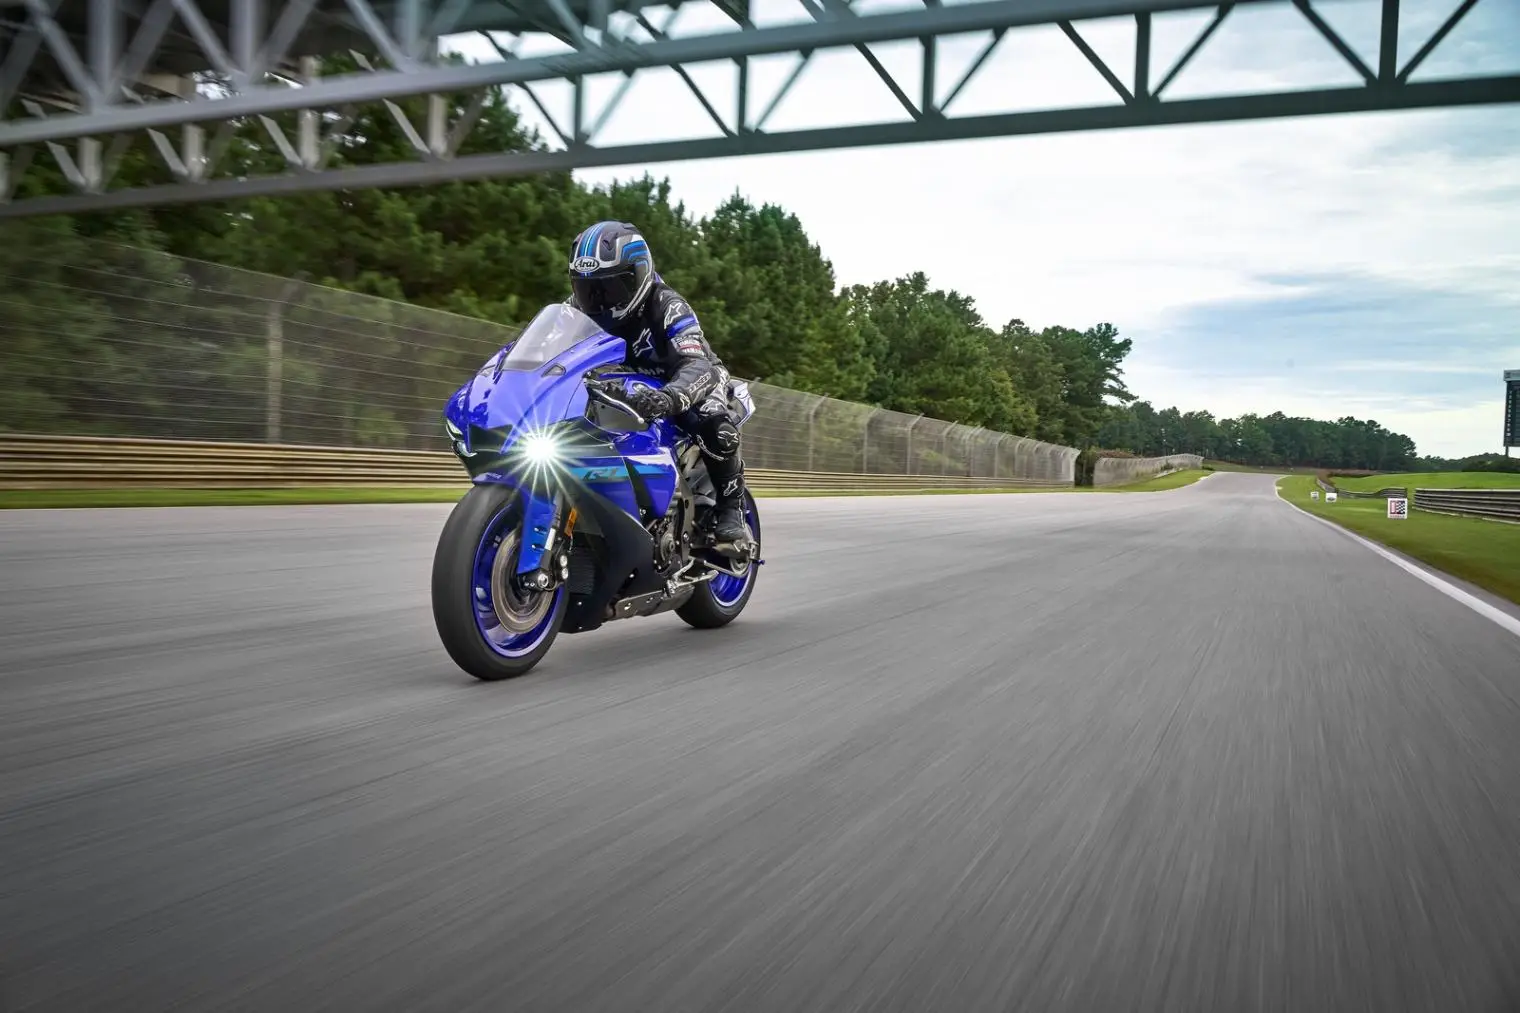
1512 407
1398 509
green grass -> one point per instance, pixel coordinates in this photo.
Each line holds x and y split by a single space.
58 499
1432 480
1176 480
776 494
1252 469
1485 553
54 499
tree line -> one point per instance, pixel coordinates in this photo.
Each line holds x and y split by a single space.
1474 462
1275 440
496 249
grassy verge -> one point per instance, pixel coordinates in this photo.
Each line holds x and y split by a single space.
777 494
1486 553
1432 480
1252 469
56 499
1176 480
60 499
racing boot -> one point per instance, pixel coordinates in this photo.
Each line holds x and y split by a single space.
728 481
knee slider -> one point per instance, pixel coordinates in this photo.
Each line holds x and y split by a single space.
725 438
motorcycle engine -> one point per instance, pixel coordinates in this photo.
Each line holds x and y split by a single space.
666 535
664 544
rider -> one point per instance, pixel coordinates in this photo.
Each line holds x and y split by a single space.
612 281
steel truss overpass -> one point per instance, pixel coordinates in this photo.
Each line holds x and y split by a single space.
82 80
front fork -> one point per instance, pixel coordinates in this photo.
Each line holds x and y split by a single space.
543 562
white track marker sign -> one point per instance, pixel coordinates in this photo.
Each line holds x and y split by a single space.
1398 509
1329 497
1314 494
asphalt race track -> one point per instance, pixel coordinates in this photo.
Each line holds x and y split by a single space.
1178 751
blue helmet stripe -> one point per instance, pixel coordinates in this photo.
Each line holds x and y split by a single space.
588 244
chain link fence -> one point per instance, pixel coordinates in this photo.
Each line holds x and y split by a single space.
1123 470
105 339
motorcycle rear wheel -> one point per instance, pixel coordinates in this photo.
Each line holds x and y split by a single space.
719 601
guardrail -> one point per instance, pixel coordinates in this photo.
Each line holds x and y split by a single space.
1494 504
1390 492
29 461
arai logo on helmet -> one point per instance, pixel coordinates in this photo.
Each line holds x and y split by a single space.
585 265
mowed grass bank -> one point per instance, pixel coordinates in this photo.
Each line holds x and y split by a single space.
1252 469
1431 480
1486 553
63 499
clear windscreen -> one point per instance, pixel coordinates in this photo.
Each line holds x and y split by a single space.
555 330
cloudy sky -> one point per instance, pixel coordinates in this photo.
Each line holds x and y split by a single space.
1361 265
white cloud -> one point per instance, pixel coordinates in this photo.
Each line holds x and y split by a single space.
1138 226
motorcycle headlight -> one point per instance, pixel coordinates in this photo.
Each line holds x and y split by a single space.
457 439
540 448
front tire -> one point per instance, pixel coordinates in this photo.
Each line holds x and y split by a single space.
719 601
490 629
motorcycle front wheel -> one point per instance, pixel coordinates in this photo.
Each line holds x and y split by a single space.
491 628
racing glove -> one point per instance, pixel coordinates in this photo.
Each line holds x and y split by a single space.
650 403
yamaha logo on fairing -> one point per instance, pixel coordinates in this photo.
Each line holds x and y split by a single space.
585 265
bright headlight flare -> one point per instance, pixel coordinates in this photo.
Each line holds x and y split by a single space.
540 448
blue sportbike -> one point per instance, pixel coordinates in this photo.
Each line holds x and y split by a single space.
582 512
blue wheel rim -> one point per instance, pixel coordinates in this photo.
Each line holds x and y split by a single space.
497 637
727 589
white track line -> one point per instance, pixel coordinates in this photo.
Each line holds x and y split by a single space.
1478 605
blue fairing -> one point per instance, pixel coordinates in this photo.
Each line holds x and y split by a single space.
650 453
505 403
529 400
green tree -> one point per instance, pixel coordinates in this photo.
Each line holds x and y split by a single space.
1273 440
768 300
1037 377
1091 375
934 355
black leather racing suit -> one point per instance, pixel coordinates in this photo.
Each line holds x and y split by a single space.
665 339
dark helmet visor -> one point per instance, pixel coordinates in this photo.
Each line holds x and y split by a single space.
605 294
